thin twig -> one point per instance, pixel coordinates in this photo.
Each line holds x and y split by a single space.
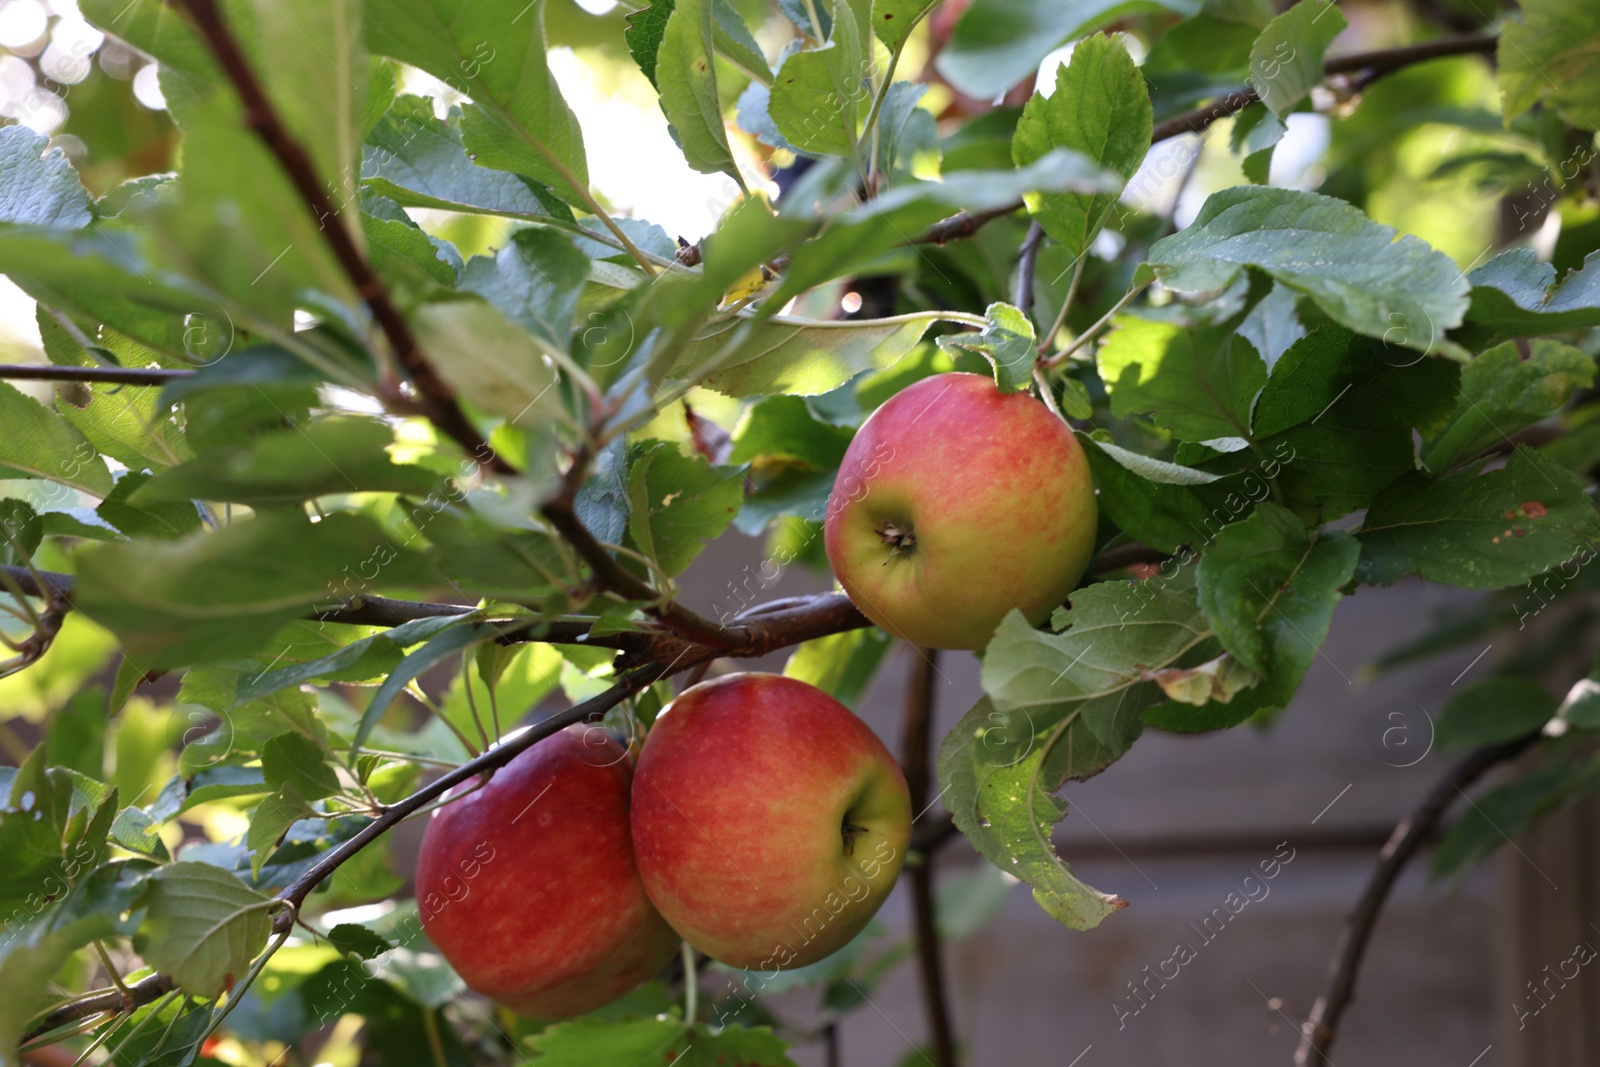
42 372
916 737
1318 1031
1027 264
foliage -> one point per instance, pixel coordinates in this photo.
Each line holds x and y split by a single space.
426 433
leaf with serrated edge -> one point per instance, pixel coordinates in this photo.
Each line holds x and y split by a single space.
1100 107
202 926
1061 707
1478 530
1401 290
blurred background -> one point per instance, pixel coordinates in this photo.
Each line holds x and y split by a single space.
1177 825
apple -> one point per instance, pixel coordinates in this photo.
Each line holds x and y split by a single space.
956 503
527 883
769 822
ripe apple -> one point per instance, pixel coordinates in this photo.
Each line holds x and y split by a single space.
769 822
956 503
527 884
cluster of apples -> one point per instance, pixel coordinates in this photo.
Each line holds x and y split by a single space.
764 823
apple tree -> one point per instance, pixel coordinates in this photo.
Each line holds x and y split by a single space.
365 430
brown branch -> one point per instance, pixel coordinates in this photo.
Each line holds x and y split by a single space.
1386 61
916 741
435 398
39 372
141 992
758 631
1027 264
610 574
1318 1031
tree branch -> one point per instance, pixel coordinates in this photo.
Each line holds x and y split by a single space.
139 993
1386 61
435 398
1318 1031
915 749
1027 264
757 631
42 372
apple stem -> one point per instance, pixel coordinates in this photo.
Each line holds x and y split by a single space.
691 986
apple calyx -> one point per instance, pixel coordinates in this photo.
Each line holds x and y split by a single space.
900 539
850 831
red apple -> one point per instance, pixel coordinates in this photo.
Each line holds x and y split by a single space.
956 503
527 884
769 822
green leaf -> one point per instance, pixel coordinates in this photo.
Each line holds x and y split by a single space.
165 1033
1477 529
1333 426
1007 341
1256 132
101 275
678 503
315 62
801 357
438 648
353 937
1198 382
1502 393
1550 54
1268 590
1101 108
127 423
841 664
21 530
1286 59
167 522
585 1042
1508 811
294 759
646 28
1493 710
235 219
53 831
488 360
998 43
404 256
484 559
417 160
202 926
323 457
535 281
38 186
1061 707
1516 295
893 20
787 431
686 76
495 52
1149 499
368 657
856 236
222 593
1353 268
39 443
820 94
271 820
